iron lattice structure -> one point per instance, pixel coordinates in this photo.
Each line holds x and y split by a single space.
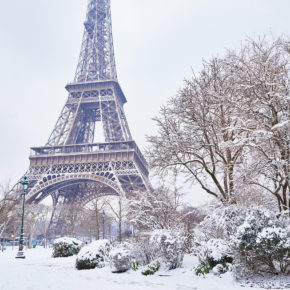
71 167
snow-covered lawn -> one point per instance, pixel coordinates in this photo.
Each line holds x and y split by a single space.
39 271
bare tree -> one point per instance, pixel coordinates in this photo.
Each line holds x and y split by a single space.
118 208
156 209
33 214
228 127
87 225
42 224
198 131
70 217
97 206
8 203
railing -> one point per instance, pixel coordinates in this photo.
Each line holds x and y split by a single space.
88 148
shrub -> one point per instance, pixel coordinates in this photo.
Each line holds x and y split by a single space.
65 247
262 244
214 252
202 269
120 259
221 222
165 246
221 269
168 247
151 269
93 255
142 251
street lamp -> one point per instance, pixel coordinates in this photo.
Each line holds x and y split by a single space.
20 254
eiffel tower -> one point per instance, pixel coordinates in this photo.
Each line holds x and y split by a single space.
71 167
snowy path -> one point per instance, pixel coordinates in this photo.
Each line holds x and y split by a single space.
41 272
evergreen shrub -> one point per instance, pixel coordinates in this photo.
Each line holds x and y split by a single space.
65 247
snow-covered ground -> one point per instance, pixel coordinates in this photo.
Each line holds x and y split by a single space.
39 271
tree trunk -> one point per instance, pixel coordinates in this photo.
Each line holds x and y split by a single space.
120 230
98 225
120 221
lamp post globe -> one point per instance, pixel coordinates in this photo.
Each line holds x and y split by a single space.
20 253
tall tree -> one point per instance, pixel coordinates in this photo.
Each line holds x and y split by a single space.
228 127
198 131
97 207
262 72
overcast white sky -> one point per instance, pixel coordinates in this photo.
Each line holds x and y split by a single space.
157 42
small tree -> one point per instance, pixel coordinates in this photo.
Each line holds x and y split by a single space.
70 217
119 210
157 209
33 214
8 203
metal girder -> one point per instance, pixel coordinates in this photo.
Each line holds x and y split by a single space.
72 167
97 61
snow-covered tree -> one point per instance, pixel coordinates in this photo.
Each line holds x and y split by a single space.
42 223
198 132
262 74
228 126
8 203
220 222
156 209
33 214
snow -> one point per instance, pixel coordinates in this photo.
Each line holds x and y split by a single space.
94 249
217 249
119 252
39 271
67 240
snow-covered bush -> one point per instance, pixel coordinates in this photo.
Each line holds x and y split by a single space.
142 252
151 269
120 259
155 209
65 247
262 244
214 252
93 255
221 269
168 247
221 221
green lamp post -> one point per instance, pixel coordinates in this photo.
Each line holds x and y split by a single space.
20 254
